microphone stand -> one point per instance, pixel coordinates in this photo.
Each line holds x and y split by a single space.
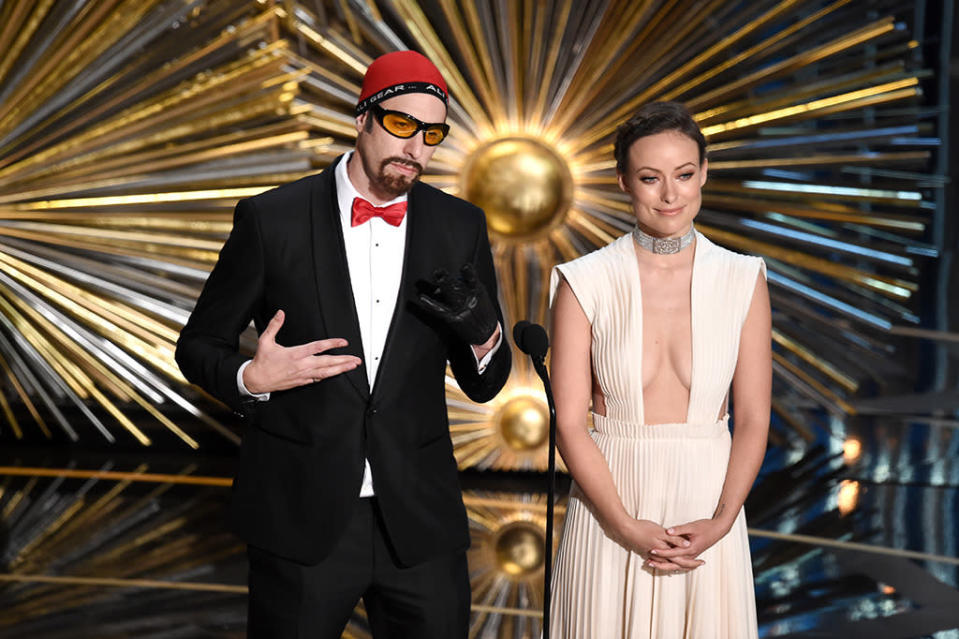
540 368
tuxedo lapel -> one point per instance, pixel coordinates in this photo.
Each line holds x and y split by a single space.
332 274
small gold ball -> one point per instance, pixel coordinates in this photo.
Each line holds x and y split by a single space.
519 549
524 423
523 185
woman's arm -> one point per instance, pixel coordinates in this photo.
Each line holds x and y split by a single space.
571 377
752 389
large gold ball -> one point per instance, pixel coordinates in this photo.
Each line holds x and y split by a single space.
519 549
523 185
524 423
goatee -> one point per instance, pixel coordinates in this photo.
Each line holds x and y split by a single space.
392 184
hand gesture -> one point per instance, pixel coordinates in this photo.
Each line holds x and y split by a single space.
275 367
650 540
698 535
461 303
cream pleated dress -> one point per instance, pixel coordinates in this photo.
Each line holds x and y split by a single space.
667 473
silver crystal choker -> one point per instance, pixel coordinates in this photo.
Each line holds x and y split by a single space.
664 245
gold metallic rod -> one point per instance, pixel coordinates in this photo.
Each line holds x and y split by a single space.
521 282
763 49
518 49
218 223
75 36
503 258
154 478
18 497
138 165
48 531
94 114
544 259
160 358
59 70
98 311
65 369
923 333
855 99
74 375
14 26
171 106
852 545
655 44
103 234
817 160
602 66
25 397
726 43
125 583
145 198
244 33
477 34
802 59
423 32
817 361
825 211
175 122
816 264
201 586
552 55
831 85
480 71
561 240
11 418
805 58
190 257
818 386
874 196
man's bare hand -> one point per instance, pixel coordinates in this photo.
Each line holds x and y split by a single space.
276 367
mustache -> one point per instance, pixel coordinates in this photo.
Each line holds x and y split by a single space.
404 161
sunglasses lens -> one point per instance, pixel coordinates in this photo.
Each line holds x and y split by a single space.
398 125
434 135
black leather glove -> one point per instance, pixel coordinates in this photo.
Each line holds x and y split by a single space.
461 303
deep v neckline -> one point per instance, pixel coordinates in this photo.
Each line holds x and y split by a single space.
698 246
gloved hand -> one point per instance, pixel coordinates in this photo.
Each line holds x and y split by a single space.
461 303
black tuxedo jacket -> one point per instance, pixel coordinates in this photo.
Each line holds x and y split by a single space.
301 459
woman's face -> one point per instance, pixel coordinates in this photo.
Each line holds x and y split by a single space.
664 181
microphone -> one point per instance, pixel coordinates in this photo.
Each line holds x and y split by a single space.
531 339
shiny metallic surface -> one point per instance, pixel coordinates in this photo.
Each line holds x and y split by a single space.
524 423
522 185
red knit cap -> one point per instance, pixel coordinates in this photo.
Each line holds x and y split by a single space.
397 73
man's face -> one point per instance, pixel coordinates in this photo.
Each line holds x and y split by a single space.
392 164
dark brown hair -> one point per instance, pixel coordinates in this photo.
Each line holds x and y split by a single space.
653 118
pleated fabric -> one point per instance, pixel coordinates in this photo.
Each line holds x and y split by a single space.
666 473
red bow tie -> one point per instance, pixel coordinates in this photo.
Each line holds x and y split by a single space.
363 211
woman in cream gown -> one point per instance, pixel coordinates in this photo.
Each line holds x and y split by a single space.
654 329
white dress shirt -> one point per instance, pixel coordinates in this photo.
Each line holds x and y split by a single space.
374 255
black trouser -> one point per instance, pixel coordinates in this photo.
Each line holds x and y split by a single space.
288 600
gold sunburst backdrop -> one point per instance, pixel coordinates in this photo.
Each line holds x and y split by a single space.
128 129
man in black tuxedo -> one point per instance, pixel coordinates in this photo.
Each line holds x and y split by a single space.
362 282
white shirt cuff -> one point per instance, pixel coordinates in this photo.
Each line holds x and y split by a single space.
260 397
481 364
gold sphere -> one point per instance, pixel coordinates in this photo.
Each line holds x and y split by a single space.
524 423
523 185
519 549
